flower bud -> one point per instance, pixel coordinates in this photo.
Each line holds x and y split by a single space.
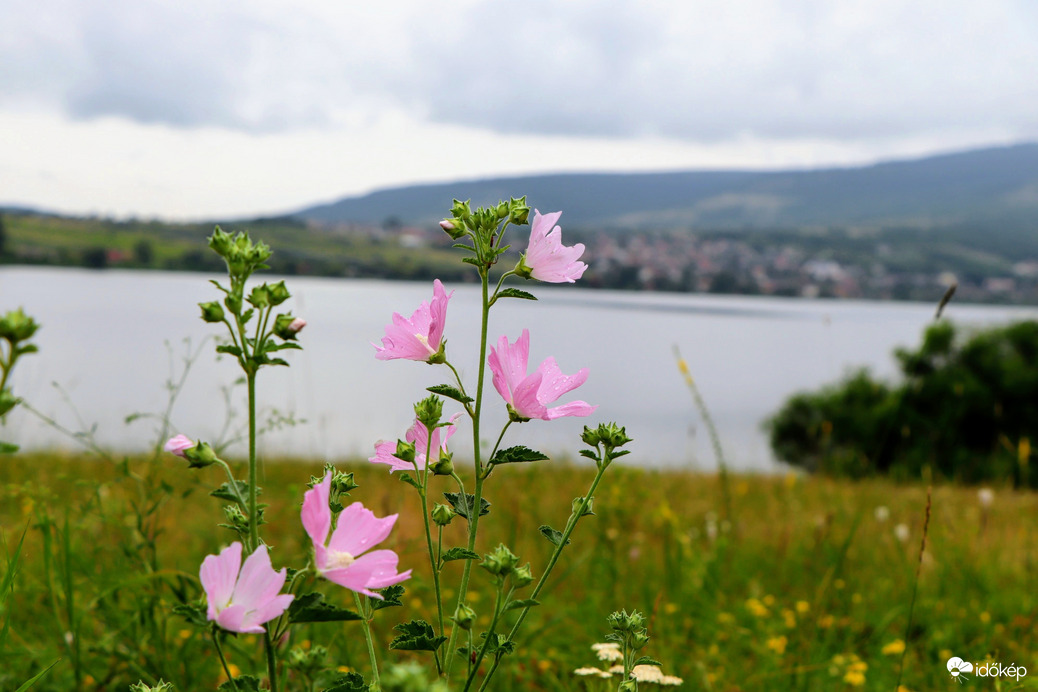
500 561
464 617
287 326
233 303
211 311
16 326
160 686
260 297
178 445
429 411
522 270
200 456
588 511
236 519
278 293
461 211
519 212
522 576
503 211
444 466
442 514
404 451
628 686
452 228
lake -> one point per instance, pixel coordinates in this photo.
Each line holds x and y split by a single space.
104 333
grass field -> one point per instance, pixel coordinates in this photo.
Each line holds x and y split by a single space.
804 587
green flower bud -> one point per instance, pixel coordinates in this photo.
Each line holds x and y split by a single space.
519 212
236 519
590 437
260 296
161 686
639 640
428 411
404 451
16 326
503 211
464 617
442 514
453 228
278 293
628 686
286 326
233 303
522 576
514 416
521 270
211 311
200 456
500 562
444 466
462 211
588 511
221 242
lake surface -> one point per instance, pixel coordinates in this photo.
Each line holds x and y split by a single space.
103 335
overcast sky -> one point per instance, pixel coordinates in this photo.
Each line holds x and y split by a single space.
200 108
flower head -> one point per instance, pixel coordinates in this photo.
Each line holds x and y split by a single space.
527 395
421 336
178 445
343 558
419 436
547 259
242 601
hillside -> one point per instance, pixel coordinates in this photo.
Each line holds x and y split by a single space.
996 186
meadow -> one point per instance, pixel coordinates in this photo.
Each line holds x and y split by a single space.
806 586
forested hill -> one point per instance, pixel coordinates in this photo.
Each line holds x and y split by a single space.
996 187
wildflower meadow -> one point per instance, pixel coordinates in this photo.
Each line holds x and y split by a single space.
205 567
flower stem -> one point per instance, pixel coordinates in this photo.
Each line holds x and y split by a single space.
253 519
486 642
223 661
376 684
272 664
433 557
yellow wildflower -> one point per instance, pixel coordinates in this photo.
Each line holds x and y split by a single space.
894 648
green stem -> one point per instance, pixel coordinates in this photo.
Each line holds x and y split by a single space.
478 494
486 642
272 664
498 444
253 519
223 661
376 683
433 559
500 281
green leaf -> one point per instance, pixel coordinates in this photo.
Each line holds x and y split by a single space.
416 635
350 682
449 392
193 613
242 683
230 349
515 455
472 260
647 661
552 535
499 642
8 447
522 603
226 491
312 608
456 502
409 479
34 679
516 293
390 597
589 454
459 554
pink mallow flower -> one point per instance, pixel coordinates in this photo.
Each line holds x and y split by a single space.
547 259
527 395
342 559
421 337
241 602
417 434
178 445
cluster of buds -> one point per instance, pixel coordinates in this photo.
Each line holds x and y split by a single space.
463 220
341 485
502 562
243 257
606 439
15 328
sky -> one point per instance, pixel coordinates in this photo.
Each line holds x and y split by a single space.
192 109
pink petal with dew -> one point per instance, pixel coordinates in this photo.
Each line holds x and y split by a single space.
258 583
383 564
542 224
554 383
525 398
574 408
316 515
508 364
178 445
358 529
438 314
218 575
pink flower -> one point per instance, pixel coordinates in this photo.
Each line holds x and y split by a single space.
527 396
241 602
417 434
342 559
421 337
178 445
296 325
547 259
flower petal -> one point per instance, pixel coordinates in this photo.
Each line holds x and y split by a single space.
316 514
383 565
554 383
218 575
258 583
358 529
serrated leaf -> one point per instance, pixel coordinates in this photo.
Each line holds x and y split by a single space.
499 642
194 614
516 455
226 491
409 479
416 635
390 597
516 293
589 454
350 682
472 260
470 501
522 603
459 554
647 661
312 608
242 683
229 349
449 392
552 535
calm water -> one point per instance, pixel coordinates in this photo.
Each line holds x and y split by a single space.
103 340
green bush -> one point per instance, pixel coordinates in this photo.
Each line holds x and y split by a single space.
965 410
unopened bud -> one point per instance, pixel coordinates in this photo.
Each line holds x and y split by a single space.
500 561
444 466
519 211
260 297
211 311
200 455
464 617
428 411
278 293
522 576
442 514
287 326
404 451
178 445
588 511
452 228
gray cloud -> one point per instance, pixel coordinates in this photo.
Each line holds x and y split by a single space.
704 71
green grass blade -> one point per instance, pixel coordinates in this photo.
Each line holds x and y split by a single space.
32 681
